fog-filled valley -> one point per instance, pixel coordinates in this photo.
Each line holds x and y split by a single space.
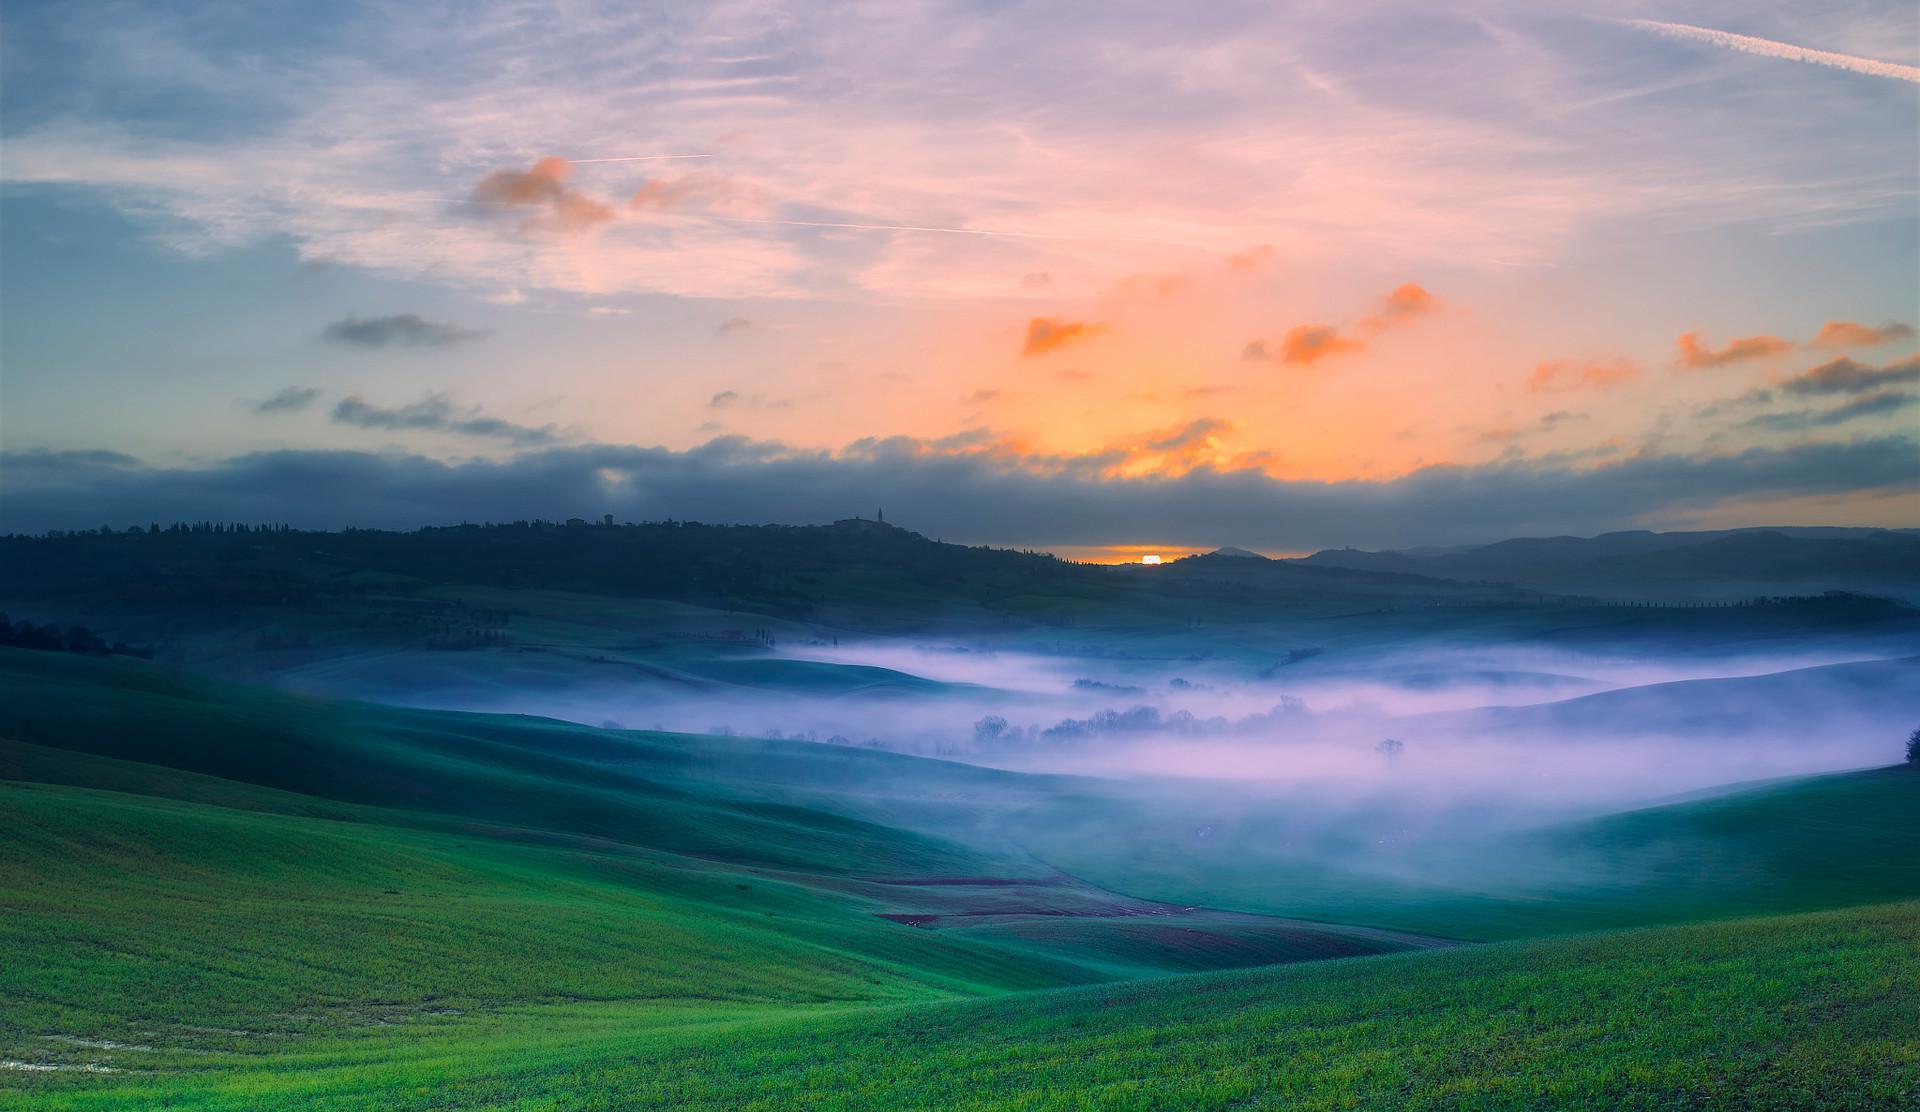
1350 720
867 635
848 767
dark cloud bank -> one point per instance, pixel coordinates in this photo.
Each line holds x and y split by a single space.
437 413
1842 377
955 495
292 399
402 330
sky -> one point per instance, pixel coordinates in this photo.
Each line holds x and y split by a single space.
1095 278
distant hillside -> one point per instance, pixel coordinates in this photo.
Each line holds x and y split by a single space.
389 588
1725 564
1882 695
1253 569
768 568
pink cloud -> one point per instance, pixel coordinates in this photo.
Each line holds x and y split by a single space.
1307 344
1563 374
676 194
1406 303
1696 356
1048 334
544 186
1837 335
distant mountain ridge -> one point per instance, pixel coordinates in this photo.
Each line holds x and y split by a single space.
1717 564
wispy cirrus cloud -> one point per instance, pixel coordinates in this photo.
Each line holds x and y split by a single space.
1564 374
684 192
849 130
860 157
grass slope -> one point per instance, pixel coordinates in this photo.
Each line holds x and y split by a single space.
669 792
378 866
1802 845
1783 1013
163 913
230 898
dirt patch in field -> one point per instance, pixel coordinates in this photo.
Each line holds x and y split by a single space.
1078 918
953 900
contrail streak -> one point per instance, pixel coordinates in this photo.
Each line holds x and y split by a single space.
638 158
1767 48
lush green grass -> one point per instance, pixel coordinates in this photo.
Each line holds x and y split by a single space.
1783 1013
497 862
694 796
163 913
373 866
242 899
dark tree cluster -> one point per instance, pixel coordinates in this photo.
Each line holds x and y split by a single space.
206 528
73 639
781 570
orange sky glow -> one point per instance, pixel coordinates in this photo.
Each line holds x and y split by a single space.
1279 243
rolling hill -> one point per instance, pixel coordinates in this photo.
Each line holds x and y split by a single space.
264 900
1714 565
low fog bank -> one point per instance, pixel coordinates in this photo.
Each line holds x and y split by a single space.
1512 728
1350 787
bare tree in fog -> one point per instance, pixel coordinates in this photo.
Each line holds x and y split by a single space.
989 729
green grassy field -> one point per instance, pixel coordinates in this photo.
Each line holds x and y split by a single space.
225 897
1780 1013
